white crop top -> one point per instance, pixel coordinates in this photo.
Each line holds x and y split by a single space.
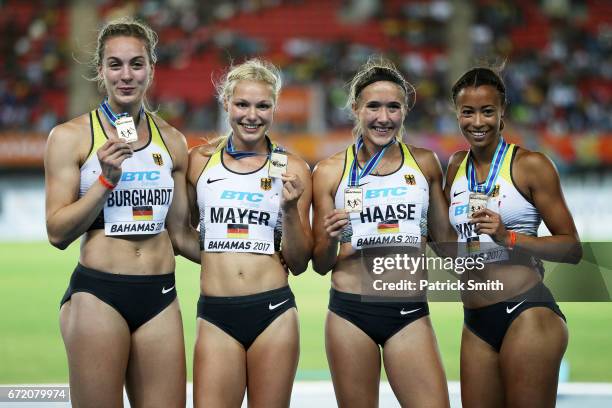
517 213
239 212
139 203
394 206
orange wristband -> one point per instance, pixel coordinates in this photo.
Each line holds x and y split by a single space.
104 181
511 240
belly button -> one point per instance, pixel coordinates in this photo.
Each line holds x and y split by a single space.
138 252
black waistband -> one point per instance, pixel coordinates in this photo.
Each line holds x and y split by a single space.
538 293
285 290
113 277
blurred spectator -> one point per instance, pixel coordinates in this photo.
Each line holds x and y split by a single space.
558 52
32 66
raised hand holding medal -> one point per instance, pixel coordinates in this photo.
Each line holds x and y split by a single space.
477 202
124 123
277 168
126 130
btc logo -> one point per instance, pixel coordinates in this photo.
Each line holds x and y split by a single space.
461 209
140 176
386 192
241 195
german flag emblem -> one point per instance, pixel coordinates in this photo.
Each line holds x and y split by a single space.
142 213
410 180
473 244
238 231
388 227
157 159
266 183
495 192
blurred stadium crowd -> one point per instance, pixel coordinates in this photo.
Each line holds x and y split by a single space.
558 57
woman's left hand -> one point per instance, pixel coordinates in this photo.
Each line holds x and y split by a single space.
292 189
489 222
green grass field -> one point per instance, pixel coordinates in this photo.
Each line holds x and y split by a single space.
35 276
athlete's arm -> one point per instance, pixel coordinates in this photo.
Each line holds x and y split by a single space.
184 238
536 176
438 224
192 199
68 216
327 220
297 197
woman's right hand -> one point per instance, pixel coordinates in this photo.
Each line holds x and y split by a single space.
111 155
335 222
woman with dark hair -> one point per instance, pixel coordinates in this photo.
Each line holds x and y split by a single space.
513 339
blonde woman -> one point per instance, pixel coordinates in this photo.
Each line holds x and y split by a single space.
253 199
378 198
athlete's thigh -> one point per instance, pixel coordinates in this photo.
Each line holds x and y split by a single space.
272 362
97 341
156 374
414 367
481 383
530 358
219 368
354 361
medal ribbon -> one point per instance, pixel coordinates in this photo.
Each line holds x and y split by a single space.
112 116
371 164
498 158
241 154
